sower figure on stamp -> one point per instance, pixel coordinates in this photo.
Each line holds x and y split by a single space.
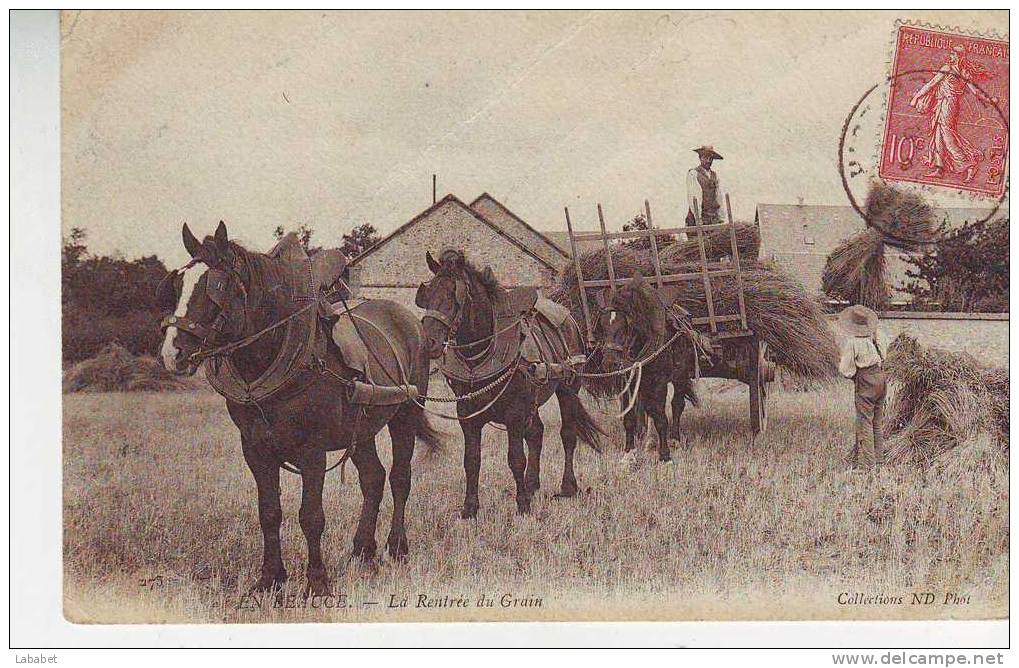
861 361
941 100
703 186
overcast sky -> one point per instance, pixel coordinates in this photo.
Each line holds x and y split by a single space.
334 119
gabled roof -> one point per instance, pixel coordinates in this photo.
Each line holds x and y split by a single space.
452 199
485 198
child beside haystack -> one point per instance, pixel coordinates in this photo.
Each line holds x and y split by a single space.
860 360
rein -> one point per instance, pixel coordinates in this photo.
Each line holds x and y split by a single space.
226 349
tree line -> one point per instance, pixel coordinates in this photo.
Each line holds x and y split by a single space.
107 298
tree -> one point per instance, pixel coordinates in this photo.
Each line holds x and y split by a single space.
967 270
106 299
359 239
639 223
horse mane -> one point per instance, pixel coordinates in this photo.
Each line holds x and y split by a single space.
264 272
491 285
642 305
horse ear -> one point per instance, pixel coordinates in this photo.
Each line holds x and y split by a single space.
190 242
221 239
432 264
487 275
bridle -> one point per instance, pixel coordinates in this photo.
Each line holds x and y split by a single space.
217 288
452 324
610 345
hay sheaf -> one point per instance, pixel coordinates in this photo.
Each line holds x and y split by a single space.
115 369
942 400
716 245
790 320
855 270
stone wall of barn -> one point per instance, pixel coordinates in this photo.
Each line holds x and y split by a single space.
394 270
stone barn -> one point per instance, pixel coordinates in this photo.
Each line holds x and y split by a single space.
486 230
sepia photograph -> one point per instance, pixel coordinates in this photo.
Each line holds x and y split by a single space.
533 316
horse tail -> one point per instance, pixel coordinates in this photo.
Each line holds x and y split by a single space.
430 437
588 430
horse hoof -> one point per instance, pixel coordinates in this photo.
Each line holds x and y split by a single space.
469 513
398 549
268 583
318 585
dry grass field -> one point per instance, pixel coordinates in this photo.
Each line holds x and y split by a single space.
160 525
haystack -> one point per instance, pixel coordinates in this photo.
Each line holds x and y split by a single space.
716 245
942 399
115 369
791 321
855 270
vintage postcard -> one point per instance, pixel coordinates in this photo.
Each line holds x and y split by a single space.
534 316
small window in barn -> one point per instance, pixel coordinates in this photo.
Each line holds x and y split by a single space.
808 239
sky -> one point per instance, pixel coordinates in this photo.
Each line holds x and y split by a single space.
333 119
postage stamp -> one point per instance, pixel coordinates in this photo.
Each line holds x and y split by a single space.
947 108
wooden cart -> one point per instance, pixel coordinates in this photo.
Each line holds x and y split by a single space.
737 351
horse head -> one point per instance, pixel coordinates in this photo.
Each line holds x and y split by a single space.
628 320
209 299
448 296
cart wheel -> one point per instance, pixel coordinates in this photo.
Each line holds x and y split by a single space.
758 387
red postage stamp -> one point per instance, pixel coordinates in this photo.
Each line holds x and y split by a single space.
947 109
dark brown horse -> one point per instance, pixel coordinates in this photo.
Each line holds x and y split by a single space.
228 295
633 324
478 328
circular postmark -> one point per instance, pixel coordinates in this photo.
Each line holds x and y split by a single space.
864 145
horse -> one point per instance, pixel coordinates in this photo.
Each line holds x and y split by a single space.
230 308
635 322
481 331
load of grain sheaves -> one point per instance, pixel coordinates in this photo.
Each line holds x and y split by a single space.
855 270
779 310
115 369
941 400
717 243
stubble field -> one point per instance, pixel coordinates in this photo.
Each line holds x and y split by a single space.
160 525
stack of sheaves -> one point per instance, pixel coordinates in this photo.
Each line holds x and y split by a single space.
779 310
941 400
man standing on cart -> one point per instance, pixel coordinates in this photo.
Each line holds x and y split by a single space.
703 186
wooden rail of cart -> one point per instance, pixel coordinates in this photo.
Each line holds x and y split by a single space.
737 352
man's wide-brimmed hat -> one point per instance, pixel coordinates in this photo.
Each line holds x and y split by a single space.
709 150
858 320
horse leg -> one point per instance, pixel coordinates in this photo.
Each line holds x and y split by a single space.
534 435
313 520
401 433
517 463
472 466
658 391
270 516
372 477
568 404
680 389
